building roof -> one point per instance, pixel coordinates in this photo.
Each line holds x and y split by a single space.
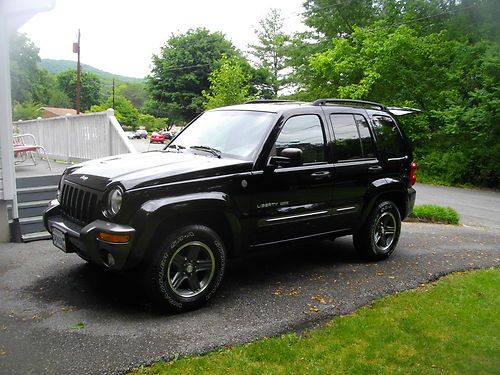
60 111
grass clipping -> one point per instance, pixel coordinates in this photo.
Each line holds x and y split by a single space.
448 327
430 213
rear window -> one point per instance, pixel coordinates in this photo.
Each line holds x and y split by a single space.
390 143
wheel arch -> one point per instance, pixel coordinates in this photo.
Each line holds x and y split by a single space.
393 192
158 217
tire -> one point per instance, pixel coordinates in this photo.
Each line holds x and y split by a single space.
184 273
379 235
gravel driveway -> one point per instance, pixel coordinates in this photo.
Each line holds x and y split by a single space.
45 295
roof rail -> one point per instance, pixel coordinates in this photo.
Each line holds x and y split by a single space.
270 101
349 101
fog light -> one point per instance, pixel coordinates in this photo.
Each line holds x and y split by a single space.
111 260
115 238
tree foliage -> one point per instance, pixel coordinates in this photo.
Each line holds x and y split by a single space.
125 112
180 72
271 52
229 84
29 83
27 110
90 88
135 92
414 54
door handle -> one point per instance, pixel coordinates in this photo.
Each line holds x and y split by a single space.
320 174
374 169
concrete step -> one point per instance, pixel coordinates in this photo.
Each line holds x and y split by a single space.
31 225
29 209
33 194
36 236
36 181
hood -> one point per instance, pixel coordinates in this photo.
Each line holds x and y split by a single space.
151 168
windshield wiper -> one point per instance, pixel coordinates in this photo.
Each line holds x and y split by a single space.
212 150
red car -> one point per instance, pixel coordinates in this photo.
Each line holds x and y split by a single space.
157 138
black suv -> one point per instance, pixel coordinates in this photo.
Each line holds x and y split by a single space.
239 178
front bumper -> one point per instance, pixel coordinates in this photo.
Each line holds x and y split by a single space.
83 239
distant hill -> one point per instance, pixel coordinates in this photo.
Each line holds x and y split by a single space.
56 66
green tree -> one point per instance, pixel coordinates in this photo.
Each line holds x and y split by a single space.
23 67
135 92
180 72
90 88
125 112
271 51
228 84
28 110
456 83
152 123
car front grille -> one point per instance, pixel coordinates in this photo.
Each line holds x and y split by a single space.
78 203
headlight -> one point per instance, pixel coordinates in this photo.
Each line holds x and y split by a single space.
114 201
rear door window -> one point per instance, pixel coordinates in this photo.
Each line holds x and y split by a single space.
352 137
390 143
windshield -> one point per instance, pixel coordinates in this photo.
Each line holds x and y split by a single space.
236 133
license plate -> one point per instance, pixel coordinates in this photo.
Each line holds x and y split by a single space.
59 238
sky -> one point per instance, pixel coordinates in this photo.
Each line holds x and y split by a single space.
120 36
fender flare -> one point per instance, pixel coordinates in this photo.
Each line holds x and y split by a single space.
154 212
376 189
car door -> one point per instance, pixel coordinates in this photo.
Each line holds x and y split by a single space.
355 164
294 202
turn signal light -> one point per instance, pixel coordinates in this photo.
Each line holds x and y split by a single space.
115 238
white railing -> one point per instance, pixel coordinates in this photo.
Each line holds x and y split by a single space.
78 138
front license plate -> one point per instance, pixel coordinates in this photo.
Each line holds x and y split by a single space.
59 238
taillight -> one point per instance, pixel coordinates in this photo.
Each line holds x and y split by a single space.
413 174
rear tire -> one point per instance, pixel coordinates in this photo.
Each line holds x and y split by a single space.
379 235
184 273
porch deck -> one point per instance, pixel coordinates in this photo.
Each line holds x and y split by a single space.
27 169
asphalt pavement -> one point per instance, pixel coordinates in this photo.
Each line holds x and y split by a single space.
59 315
476 207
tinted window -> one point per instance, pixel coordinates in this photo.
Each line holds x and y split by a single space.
365 136
303 132
389 141
347 144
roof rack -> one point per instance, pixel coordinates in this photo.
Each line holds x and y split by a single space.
259 101
349 101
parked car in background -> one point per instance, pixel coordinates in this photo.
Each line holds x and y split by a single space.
140 134
130 135
157 138
168 135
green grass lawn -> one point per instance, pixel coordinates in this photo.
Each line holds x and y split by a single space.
435 214
451 326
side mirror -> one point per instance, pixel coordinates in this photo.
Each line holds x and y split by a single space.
290 157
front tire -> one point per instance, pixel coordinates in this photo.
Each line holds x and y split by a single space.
379 236
185 272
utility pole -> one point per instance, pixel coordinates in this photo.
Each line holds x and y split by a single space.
113 93
76 49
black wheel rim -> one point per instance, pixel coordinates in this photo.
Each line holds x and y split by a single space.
385 232
191 269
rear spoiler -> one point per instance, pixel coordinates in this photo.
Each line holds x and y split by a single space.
402 111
